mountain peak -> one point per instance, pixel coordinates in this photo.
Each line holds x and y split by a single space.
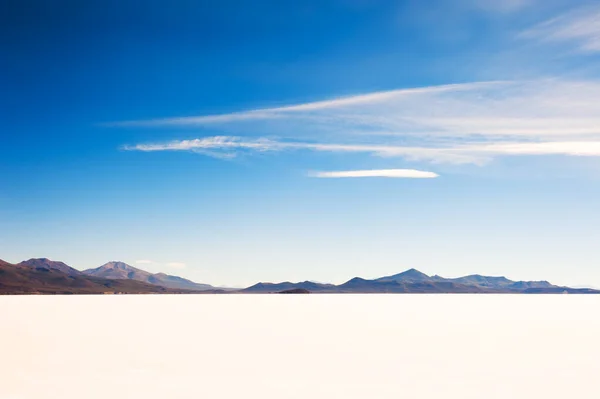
413 272
410 275
118 270
356 280
47 264
40 261
122 271
115 264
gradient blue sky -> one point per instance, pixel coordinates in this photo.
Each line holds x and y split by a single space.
197 138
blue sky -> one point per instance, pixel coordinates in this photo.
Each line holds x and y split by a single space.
233 142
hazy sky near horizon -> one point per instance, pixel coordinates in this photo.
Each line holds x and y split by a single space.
233 142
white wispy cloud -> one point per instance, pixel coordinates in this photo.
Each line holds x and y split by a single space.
578 148
216 142
458 154
470 123
580 28
228 147
336 103
394 173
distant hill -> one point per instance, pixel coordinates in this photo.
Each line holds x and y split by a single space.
295 291
498 282
359 285
409 276
25 279
167 280
43 263
413 281
486 283
120 270
286 286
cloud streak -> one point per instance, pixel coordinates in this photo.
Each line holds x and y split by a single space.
461 124
336 103
393 173
580 27
224 146
460 154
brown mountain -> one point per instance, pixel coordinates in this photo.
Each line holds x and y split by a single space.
43 263
24 279
123 271
118 270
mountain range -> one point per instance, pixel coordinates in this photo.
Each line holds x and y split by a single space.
44 279
44 276
123 271
414 281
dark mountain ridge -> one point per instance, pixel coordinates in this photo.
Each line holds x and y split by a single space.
410 275
286 286
414 281
44 263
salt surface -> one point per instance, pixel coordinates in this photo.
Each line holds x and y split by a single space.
300 346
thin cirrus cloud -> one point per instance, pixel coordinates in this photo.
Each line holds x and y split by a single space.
470 123
392 173
276 112
465 154
580 27
230 146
